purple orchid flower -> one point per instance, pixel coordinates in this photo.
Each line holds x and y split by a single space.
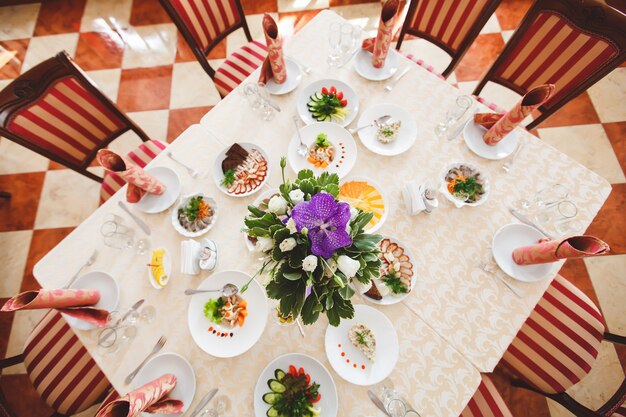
326 222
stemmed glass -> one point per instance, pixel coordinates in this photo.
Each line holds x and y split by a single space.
453 116
112 338
258 97
334 43
117 235
395 406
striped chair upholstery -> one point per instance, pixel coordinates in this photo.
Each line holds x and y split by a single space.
486 402
141 156
424 65
558 344
238 66
59 366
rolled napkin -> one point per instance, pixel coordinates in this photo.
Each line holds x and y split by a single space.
74 303
139 181
274 63
533 99
150 398
487 120
379 46
552 250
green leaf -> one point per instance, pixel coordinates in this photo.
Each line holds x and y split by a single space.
329 303
346 292
281 235
255 211
310 310
305 174
360 221
292 276
297 255
258 232
306 186
332 189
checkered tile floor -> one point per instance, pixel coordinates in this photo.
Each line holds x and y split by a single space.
134 53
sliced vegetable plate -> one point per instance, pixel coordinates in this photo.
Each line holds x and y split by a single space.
328 100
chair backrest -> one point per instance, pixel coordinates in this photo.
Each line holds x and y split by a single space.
56 111
569 43
452 25
204 24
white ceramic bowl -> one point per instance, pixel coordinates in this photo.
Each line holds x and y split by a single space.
453 199
180 229
218 174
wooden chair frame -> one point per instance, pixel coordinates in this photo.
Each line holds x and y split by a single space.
465 43
30 86
196 48
593 17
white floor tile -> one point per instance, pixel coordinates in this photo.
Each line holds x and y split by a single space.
15 159
106 15
153 122
18 22
609 95
192 87
149 46
41 48
23 324
492 25
107 80
14 248
607 276
506 35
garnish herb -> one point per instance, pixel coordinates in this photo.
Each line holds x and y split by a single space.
467 186
322 141
213 310
395 285
229 178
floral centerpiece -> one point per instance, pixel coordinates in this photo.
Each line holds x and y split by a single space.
314 245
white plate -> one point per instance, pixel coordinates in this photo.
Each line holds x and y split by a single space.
363 65
316 87
406 138
152 203
180 229
244 337
383 194
328 403
264 195
109 295
294 75
167 267
218 174
458 203
387 347
340 138
473 136
169 363
513 236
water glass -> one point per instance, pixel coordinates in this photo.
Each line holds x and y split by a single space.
551 195
267 111
258 97
454 117
334 44
146 315
556 212
112 338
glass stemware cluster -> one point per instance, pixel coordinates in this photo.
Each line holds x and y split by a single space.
343 41
119 236
450 126
123 329
551 207
258 97
395 405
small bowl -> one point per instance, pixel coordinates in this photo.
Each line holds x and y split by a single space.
167 268
180 229
458 203
218 174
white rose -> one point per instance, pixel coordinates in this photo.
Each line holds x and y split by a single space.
264 244
309 263
348 266
291 226
353 213
331 268
297 196
348 228
287 244
277 205
360 287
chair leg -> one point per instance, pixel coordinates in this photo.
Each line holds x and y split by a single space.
562 398
5 194
615 338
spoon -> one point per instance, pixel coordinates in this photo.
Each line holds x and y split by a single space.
227 290
378 122
303 150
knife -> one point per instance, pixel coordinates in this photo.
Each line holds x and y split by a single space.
377 402
136 219
519 216
203 402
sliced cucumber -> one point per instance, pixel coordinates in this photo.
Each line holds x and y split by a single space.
276 386
272 397
272 412
279 374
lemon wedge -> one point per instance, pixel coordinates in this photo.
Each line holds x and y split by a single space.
162 280
157 268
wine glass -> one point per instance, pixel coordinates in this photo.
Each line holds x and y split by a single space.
453 116
334 44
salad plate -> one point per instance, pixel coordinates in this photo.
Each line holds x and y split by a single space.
511 237
241 169
260 203
278 375
463 184
160 268
294 76
227 326
328 100
153 203
331 148
473 136
366 195
109 295
374 139
363 350
169 363
363 65
195 215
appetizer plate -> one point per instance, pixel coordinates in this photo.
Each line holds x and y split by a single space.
265 194
218 175
357 192
167 267
109 295
513 236
473 136
458 203
244 337
337 342
152 203
316 87
294 76
329 402
363 65
187 233
340 138
169 363
406 138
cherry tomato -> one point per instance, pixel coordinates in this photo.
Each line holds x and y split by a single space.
344 103
308 378
316 399
333 89
292 370
301 371
340 95
324 90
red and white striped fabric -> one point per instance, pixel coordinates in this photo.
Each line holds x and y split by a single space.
59 366
238 66
620 412
207 19
558 344
492 106
141 156
424 65
67 121
486 402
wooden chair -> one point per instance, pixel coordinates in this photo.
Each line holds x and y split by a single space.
204 24
569 43
486 401
557 346
56 111
60 368
451 25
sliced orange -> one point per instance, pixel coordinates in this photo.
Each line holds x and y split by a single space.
364 196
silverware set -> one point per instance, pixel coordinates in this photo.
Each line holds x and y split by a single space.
159 345
493 271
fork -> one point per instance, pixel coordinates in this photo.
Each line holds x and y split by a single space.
87 263
192 172
393 83
509 164
159 345
485 267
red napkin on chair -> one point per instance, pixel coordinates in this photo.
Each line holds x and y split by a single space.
150 398
508 121
274 65
379 46
552 250
75 303
139 182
